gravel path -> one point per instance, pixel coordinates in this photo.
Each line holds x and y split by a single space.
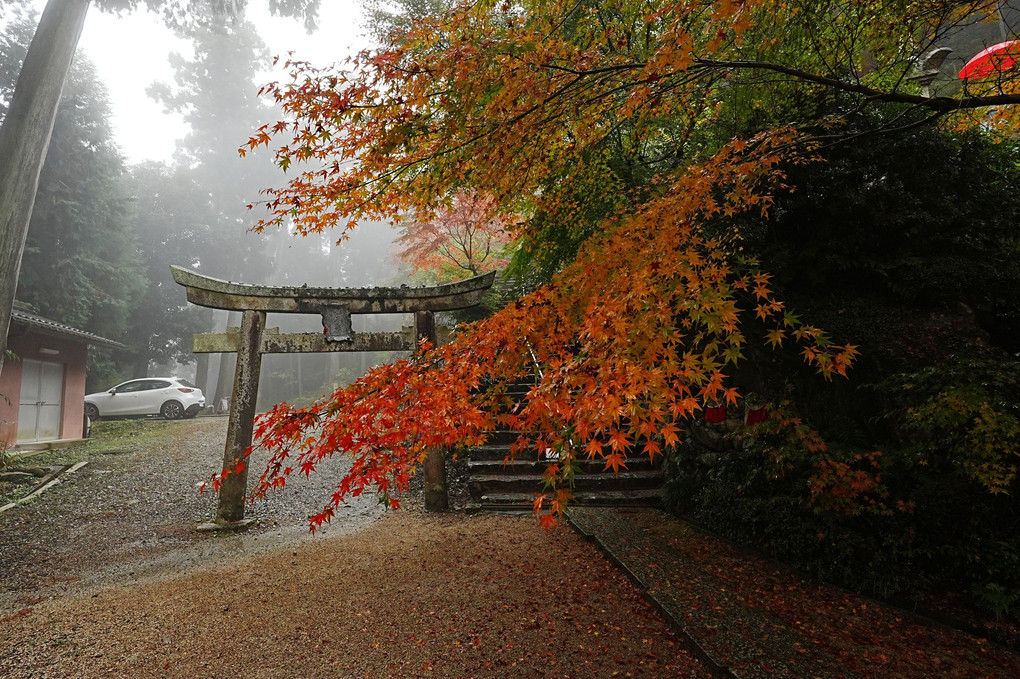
133 509
105 576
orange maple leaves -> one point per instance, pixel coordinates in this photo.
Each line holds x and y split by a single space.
509 97
498 98
630 340
530 107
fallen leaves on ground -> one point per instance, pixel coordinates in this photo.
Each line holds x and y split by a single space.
412 595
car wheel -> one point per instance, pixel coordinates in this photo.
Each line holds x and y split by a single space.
91 412
172 410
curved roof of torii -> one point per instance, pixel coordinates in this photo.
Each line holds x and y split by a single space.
220 294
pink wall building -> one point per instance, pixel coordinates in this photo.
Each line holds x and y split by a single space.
42 392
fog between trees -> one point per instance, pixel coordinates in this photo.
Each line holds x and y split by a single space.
103 233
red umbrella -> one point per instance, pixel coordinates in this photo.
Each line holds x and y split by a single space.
996 58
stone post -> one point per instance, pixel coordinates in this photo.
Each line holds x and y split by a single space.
434 469
242 417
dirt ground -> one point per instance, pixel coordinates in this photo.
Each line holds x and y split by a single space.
105 575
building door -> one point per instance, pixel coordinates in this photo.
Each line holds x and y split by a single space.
39 414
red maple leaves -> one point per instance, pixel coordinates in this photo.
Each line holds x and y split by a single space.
469 237
630 340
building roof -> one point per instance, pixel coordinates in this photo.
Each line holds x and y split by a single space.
21 315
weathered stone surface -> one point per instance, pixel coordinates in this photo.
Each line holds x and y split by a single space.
211 526
219 294
304 343
337 321
336 306
437 499
233 486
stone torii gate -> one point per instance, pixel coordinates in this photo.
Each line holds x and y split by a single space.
335 305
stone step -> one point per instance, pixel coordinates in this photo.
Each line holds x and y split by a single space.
521 503
500 449
496 484
525 463
502 437
496 452
484 484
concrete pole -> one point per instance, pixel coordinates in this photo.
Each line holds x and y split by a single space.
242 417
434 469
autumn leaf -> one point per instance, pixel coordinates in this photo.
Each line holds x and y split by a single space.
466 128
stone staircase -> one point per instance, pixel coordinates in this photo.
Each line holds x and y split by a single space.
496 484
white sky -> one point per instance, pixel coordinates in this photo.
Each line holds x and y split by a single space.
130 53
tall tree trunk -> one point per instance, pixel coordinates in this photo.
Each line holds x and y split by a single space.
25 136
208 321
140 367
228 364
202 373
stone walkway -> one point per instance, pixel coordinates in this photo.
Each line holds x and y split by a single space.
751 618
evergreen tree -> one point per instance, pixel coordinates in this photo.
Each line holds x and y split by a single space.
217 94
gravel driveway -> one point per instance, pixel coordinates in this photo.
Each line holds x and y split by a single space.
132 511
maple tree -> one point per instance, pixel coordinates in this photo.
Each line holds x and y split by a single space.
465 238
607 125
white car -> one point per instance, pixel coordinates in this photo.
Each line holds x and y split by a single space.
170 397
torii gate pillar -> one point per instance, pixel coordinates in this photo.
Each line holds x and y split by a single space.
434 469
234 483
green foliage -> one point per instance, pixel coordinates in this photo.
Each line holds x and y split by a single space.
951 539
175 223
187 15
215 90
923 220
584 199
737 499
961 416
386 17
906 246
936 510
5 454
999 600
79 263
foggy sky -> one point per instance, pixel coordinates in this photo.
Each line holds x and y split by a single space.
130 52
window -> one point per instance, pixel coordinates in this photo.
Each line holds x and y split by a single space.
129 387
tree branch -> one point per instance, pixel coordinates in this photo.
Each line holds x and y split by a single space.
941 104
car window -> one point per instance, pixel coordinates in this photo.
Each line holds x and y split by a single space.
158 384
186 383
129 387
